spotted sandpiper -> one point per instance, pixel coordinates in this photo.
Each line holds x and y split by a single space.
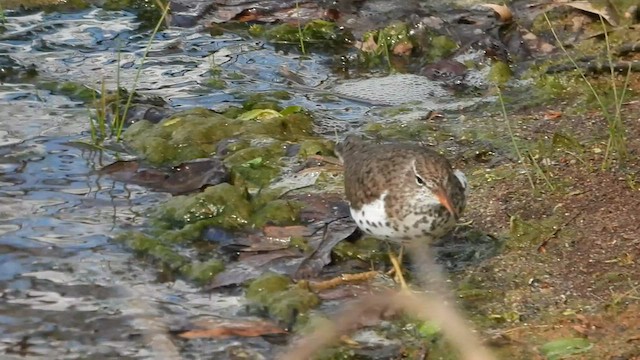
401 191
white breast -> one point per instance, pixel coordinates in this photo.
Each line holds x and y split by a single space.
372 219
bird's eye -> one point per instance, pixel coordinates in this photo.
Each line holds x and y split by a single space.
420 181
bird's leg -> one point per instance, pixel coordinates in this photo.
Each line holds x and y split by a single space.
397 267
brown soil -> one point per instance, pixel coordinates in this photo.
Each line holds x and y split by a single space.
584 281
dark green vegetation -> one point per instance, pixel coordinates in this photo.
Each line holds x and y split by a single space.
252 141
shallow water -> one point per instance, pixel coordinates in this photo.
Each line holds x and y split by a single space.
68 291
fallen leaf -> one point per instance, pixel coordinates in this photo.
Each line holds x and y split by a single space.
580 329
552 115
634 338
606 12
403 49
368 45
504 13
250 267
181 179
218 329
536 44
283 232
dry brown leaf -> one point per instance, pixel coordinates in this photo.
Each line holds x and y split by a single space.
504 13
634 338
631 11
606 12
283 232
581 329
403 49
227 329
536 44
367 46
552 115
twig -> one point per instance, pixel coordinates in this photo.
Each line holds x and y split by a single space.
543 244
342 279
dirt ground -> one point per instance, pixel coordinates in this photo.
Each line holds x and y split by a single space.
579 277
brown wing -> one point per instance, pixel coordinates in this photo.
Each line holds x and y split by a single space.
370 169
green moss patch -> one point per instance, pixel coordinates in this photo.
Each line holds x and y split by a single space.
316 34
260 133
282 300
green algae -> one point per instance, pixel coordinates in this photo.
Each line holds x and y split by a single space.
277 212
148 12
202 272
439 47
180 222
500 73
73 91
300 243
222 205
196 133
255 166
281 298
216 84
183 219
166 257
316 147
399 39
387 38
316 34
367 249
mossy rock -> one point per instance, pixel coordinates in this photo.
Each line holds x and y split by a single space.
277 212
222 205
440 47
283 300
167 257
366 249
255 166
203 272
316 33
195 134
316 147
265 286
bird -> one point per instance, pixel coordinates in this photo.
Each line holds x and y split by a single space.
401 191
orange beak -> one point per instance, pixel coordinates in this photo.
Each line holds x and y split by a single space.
445 200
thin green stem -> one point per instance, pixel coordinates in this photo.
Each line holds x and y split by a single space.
300 35
513 137
383 42
616 140
139 72
118 121
578 69
103 111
